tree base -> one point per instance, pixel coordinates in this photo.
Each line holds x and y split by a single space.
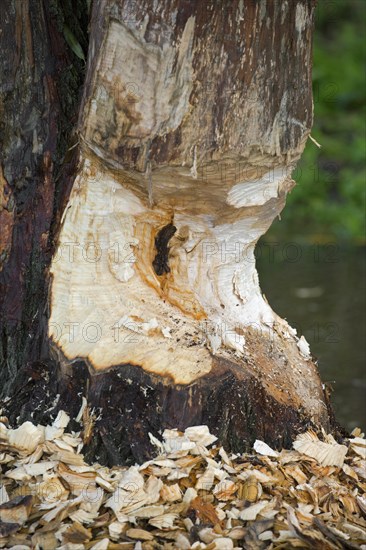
239 402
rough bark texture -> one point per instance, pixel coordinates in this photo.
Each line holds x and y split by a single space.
183 102
250 89
230 400
39 93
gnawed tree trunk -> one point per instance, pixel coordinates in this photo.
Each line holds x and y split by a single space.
192 119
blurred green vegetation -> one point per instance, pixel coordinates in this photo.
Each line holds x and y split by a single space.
329 198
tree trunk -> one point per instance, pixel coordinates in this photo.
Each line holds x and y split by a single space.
192 118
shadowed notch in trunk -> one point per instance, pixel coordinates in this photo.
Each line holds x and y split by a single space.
161 260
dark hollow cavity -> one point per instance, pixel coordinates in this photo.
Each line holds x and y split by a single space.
160 263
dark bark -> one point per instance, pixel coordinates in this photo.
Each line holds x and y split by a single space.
128 404
40 89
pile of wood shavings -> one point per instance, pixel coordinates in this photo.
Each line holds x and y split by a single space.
192 495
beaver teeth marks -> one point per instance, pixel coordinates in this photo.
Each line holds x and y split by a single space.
160 262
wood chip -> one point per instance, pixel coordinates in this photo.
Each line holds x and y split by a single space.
263 449
326 453
16 510
251 513
139 534
205 511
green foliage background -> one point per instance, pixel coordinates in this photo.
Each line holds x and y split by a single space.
329 198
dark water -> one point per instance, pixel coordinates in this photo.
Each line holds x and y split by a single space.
320 290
